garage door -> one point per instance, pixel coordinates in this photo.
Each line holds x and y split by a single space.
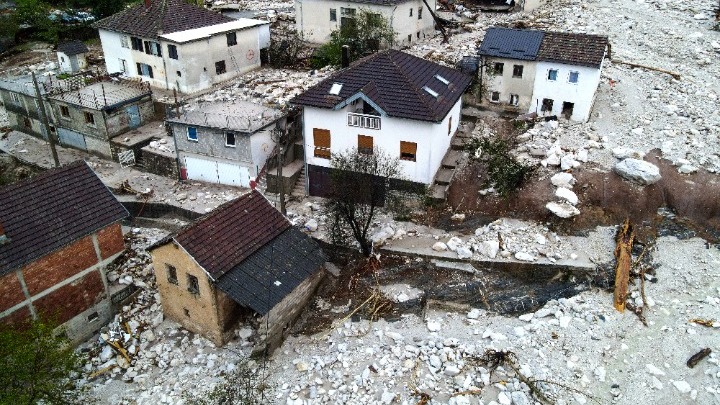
215 172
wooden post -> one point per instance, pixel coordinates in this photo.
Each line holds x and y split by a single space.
44 119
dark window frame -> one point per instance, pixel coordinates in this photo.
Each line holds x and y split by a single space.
193 138
228 136
231 38
193 284
172 51
65 111
333 14
498 68
220 67
171 274
89 118
518 71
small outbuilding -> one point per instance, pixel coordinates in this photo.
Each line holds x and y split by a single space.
242 260
71 56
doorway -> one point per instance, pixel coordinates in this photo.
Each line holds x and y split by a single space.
567 110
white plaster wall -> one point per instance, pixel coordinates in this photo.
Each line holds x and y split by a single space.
432 139
64 62
261 145
506 84
113 52
581 93
313 19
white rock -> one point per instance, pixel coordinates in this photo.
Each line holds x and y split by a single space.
654 370
439 247
519 398
464 253
624 153
687 169
562 210
567 195
540 239
563 180
451 370
523 256
639 171
581 155
491 248
458 217
474 313
504 398
435 361
454 243
568 162
311 225
434 326
565 321
682 386
600 373
526 317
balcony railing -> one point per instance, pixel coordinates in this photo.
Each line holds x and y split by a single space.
363 121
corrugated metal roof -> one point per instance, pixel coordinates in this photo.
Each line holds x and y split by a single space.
271 273
511 43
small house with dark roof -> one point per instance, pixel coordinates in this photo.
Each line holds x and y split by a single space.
242 260
176 45
58 231
407 106
410 19
549 73
71 56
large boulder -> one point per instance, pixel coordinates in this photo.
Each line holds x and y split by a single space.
639 171
563 210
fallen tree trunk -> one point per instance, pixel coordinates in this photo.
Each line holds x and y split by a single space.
623 259
675 75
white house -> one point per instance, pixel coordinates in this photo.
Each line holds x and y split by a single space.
175 45
71 56
549 73
410 19
410 110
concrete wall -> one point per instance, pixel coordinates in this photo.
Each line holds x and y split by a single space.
582 93
68 285
118 121
64 62
313 19
24 108
432 139
506 84
114 52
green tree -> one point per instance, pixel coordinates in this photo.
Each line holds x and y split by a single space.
38 366
365 32
359 185
242 386
37 14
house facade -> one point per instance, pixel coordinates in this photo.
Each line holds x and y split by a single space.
411 112
175 45
410 19
58 231
20 100
258 267
548 73
71 56
225 143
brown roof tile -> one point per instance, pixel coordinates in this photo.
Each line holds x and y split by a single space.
162 17
52 210
574 49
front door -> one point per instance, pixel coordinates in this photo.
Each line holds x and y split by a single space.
133 113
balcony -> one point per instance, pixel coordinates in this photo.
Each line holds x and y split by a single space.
363 121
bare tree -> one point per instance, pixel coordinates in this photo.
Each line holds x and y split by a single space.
359 184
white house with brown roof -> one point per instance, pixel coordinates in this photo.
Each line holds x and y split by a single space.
410 19
175 45
548 73
407 106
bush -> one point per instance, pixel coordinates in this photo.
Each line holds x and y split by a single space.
243 386
505 173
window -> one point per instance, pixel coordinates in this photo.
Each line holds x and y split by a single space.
514 99
365 144
498 68
449 125
178 73
94 317
419 13
62 59
552 74
408 150
153 48
172 52
347 12
144 70
431 92
409 37
321 139
230 139
26 122
231 38
192 134
333 14
220 67
573 78
193 286
411 12
14 97
64 111
123 65
89 118
442 80
547 105
495 96
137 43
517 71
417 34
124 41
171 274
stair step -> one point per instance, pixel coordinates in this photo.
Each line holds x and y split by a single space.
444 176
438 192
452 159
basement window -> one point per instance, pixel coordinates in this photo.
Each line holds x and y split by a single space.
547 105
230 139
514 99
94 317
193 285
171 274
89 119
431 91
231 38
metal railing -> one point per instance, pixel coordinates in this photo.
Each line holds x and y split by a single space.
363 121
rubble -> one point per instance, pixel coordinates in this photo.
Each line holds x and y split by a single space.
639 171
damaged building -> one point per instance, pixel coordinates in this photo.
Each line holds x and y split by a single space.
240 260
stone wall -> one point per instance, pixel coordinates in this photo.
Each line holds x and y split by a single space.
159 164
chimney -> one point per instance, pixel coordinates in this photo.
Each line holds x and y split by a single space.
3 238
148 3
345 61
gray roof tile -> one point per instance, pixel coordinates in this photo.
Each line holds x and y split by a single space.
511 43
72 48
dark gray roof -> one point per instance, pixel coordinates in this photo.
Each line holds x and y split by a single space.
469 64
511 43
72 48
395 81
52 210
272 272
376 2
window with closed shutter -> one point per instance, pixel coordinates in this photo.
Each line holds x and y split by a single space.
365 144
321 139
408 150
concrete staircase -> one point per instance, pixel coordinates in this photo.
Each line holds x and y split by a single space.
454 158
299 188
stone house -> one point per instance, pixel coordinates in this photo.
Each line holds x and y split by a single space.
71 56
172 44
411 110
20 100
224 142
88 117
410 19
548 73
58 231
241 259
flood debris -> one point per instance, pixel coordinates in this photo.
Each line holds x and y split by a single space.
697 357
675 75
623 257
705 322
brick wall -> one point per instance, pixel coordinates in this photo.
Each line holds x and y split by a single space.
60 265
110 240
11 292
71 299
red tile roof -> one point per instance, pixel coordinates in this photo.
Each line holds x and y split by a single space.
228 235
162 17
52 210
573 49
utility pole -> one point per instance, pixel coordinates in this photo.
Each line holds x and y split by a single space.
279 137
44 119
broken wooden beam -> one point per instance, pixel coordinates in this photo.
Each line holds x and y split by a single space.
623 259
675 75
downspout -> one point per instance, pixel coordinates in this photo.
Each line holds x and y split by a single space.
307 174
167 84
